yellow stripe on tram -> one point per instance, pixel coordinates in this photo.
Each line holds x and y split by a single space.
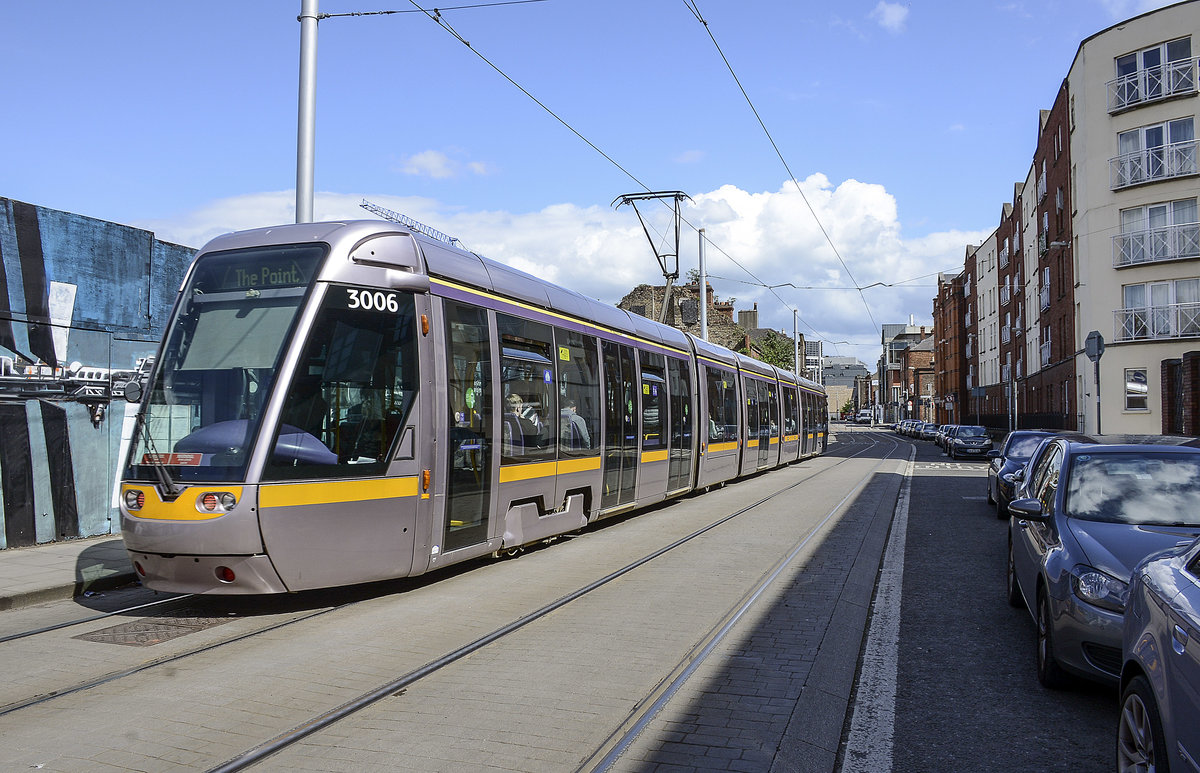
655 456
184 508
335 492
515 472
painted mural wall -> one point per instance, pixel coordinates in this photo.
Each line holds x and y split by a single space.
83 303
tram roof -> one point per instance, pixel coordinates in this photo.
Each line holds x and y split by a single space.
446 261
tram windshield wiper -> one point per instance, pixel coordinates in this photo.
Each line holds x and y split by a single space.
160 469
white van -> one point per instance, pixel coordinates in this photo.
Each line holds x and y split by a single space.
865 416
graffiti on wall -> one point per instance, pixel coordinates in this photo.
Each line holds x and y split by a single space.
82 306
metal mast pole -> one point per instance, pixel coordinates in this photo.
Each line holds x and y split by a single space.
796 339
306 133
703 291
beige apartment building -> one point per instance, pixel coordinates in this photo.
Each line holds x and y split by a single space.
1133 109
1101 235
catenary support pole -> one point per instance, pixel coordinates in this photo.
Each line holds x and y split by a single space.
306 132
703 291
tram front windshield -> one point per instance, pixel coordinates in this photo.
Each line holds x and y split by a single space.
223 349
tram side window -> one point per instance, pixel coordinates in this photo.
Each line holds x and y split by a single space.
789 410
722 406
771 419
530 406
654 389
753 412
579 404
353 388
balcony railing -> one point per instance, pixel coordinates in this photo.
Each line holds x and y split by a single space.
1004 374
1042 243
1041 187
1044 297
1018 326
1152 84
1004 258
1158 163
1005 295
1173 242
1176 320
1005 335
1045 352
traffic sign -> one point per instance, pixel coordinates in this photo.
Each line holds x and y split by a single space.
1094 346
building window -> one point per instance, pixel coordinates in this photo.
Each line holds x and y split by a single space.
1156 152
1136 390
1166 231
1168 309
1152 74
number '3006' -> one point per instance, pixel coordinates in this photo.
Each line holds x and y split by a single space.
373 301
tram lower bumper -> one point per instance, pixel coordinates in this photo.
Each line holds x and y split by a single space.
227 575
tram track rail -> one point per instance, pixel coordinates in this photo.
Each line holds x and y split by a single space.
323 720
603 757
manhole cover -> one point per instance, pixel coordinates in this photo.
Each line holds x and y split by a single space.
153 630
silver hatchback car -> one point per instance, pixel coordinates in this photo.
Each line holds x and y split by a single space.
1160 680
1088 515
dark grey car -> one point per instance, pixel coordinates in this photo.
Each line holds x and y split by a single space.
1091 512
1160 680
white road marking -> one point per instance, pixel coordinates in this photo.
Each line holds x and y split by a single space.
872 725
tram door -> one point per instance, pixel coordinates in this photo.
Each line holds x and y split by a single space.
769 406
469 445
620 430
680 391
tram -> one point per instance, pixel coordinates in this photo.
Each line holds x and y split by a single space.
340 403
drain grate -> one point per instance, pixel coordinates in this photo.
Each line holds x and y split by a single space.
154 630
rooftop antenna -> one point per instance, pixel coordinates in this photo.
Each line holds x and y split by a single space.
667 261
405 220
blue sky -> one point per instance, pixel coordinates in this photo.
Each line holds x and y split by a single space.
905 124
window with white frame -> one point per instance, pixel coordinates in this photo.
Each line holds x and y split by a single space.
1164 231
1156 152
1137 390
1153 73
1165 309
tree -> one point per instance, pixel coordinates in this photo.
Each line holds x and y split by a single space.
775 349
848 408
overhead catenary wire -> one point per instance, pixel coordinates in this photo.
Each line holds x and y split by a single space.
695 9
435 15
436 10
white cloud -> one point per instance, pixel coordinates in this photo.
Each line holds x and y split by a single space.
1125 9
890 16
603 253
440 165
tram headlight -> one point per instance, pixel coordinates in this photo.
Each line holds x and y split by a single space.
216 502
134 499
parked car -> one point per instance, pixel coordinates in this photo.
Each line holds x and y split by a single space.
1160 678
947 435
940 437
1086 515
929 431
1018 446
969 440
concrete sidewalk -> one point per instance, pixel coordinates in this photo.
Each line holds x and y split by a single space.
62 570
